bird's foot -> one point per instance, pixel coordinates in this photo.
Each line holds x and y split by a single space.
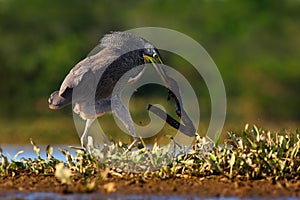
86 144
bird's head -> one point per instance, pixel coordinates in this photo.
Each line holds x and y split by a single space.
151 55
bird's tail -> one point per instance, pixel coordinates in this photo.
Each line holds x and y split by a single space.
57 102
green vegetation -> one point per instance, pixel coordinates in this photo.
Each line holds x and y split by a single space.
255 45
256 154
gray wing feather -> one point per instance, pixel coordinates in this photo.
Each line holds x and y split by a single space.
89 69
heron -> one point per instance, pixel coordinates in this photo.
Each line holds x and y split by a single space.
90 83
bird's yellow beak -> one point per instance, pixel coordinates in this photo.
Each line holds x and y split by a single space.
154 60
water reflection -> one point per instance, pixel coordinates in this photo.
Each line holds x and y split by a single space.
43 195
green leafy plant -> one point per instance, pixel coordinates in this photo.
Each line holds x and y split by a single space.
253 154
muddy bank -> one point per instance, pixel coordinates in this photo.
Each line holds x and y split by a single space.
212 186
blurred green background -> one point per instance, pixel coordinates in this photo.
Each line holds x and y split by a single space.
255 44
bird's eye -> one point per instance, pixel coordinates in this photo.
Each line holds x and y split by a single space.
154 53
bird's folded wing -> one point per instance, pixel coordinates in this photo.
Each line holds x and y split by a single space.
93 65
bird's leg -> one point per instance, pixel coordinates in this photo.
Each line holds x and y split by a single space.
84 137
102 107
123 114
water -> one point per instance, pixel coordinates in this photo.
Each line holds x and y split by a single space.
44 196
10 151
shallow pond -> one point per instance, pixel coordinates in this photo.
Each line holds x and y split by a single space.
11 150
